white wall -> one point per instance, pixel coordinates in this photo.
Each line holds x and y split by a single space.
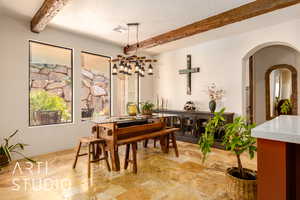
263 60
222 61
14 56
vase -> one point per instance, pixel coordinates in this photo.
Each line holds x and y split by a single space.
132 109
212 106
189 106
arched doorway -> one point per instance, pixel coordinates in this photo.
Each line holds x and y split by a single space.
256 63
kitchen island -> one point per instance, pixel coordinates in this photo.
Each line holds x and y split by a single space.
278 158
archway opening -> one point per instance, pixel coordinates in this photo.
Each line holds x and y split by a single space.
256 64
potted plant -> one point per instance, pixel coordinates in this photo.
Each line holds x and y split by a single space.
7 149
147 108
286 107
237 139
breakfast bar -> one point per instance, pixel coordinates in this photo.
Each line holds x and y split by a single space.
278 158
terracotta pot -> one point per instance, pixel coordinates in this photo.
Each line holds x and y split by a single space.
3 160
241 189
147 112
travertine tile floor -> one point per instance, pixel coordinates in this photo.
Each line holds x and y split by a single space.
160 177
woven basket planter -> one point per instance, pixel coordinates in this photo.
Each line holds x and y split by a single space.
240 189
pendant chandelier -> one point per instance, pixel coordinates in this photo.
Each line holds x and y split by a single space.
133 64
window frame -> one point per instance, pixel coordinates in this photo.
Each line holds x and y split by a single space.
72 80
110 78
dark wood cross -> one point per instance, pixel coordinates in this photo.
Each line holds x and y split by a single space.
188 71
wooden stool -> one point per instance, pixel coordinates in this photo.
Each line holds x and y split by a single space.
171 138
91 142
134 160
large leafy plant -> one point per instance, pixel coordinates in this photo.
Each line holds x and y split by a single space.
7 149
237 138
45 101
214 126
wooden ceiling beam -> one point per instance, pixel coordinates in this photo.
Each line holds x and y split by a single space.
241 13
46 13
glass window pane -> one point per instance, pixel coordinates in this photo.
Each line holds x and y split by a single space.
127 92
95 85
51 85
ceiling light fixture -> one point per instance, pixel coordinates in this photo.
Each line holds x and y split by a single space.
129 65
120 29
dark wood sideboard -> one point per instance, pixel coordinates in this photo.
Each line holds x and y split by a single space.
192 124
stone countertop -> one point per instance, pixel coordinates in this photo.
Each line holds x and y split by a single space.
285 128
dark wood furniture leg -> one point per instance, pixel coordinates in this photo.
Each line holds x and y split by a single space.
77 155
114 156
134 159
174 143
105 155
127 156
145 143
163 143
134 156
89 160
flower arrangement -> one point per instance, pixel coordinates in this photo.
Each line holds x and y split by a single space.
215 93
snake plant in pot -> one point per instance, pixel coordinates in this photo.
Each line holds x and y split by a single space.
7 149
237 139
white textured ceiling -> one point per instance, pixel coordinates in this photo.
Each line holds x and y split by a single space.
98 18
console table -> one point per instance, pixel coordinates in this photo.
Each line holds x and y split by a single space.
191 124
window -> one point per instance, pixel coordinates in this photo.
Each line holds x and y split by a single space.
95 85
50 84
127 91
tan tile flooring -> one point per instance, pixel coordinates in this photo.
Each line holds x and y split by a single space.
160 177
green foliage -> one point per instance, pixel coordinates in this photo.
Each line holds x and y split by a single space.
215 125
148 106
7 149
286 107
44 101
237 138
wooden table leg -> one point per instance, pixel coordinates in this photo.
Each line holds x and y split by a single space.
134 160
163 143
174 144
126 162
114 156
145 143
